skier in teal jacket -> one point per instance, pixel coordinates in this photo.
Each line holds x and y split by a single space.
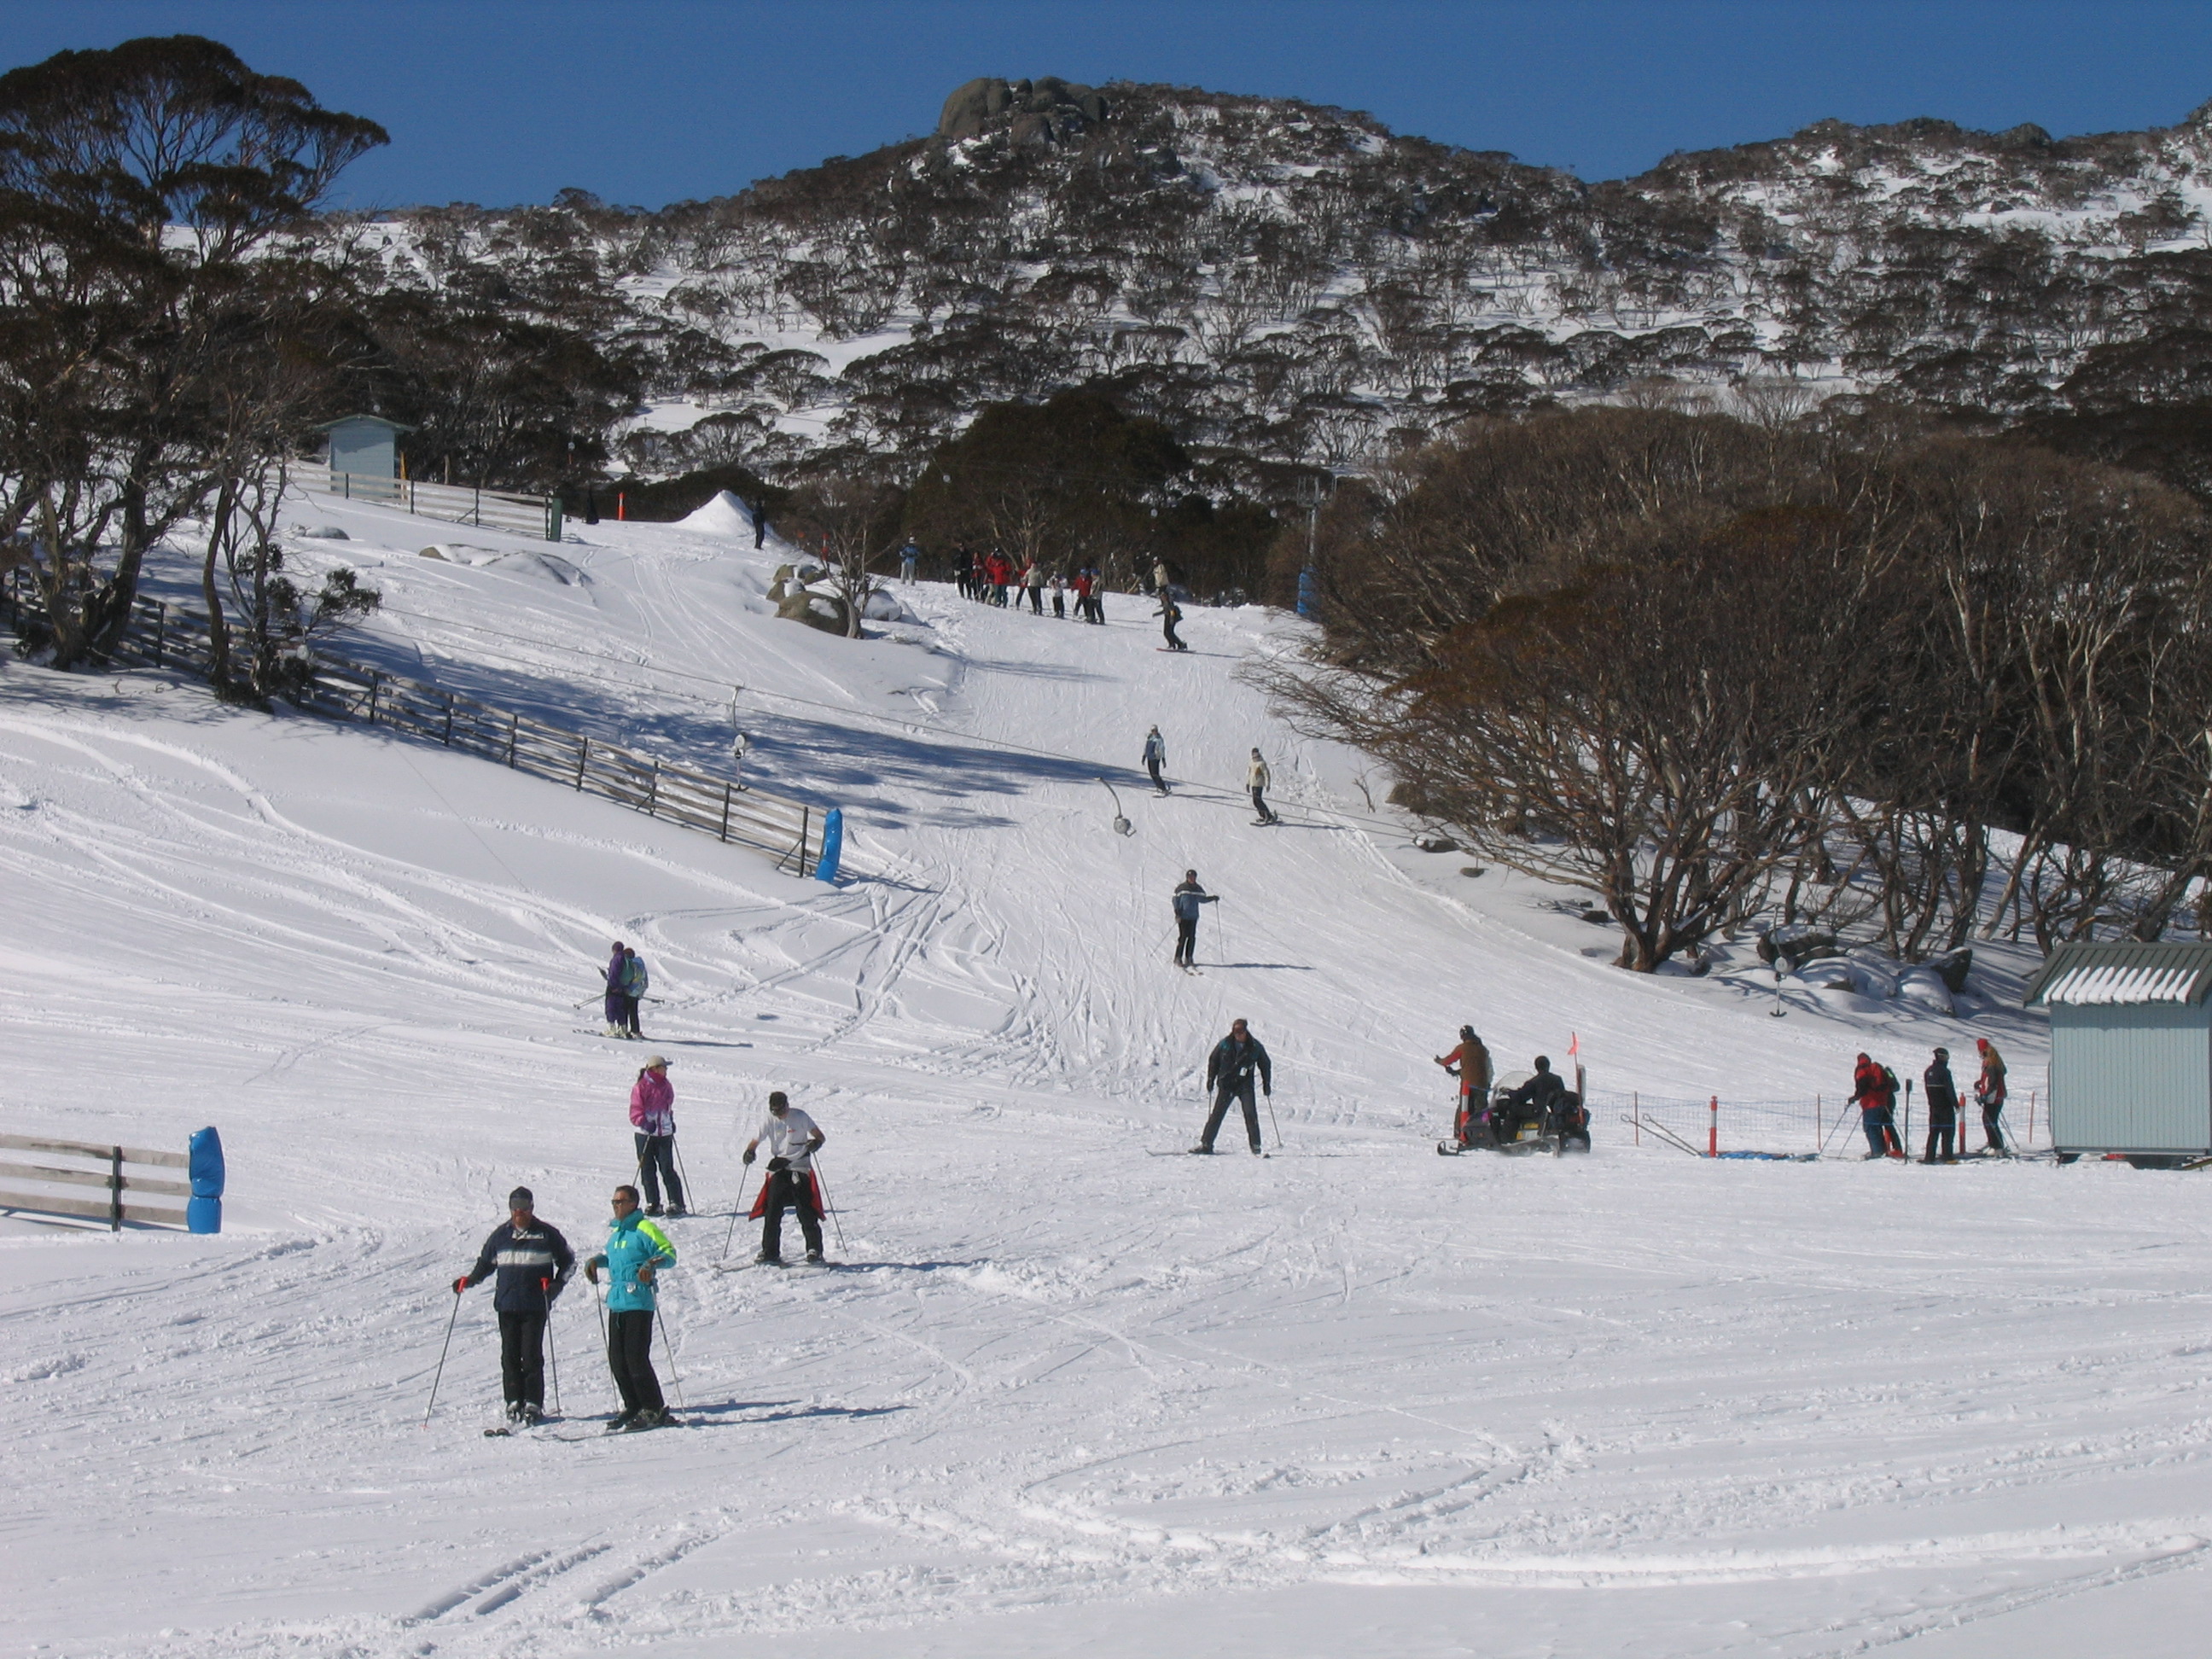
636 1250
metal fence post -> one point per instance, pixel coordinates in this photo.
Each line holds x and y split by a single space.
583 750
448 738
160 630
726 811
514 725
805 823
115 1190
653 792
375 685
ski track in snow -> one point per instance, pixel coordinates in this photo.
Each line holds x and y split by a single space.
1062 1396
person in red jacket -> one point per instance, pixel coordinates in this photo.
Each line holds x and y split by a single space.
652 1115
1874 1089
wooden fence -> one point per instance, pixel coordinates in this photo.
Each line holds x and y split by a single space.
492 509
788 832
108 1172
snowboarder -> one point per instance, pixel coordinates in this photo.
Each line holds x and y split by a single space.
1170 616
618 1005
1162 582
1156 757
1257 778
1989 1095
1874 1088
793 1139
1229 1073
636 1251
1188 896
1942 1109
1470 1064
653 1116
909 561
532 1261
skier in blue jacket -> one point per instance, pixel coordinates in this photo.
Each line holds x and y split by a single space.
1188 896
636 1250
533 1262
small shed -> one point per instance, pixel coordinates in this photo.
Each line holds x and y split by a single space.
2130 1048
366 445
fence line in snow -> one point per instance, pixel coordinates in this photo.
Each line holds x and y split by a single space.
489 509
1822 1123
792 832
108 1174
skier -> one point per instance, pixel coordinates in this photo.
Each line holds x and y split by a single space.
1033 581
1470 1064
759 508
1188 896
1170 616
533 1261
1875 1087
1059 597
635 1253
652 1115
1228 1072
793 1139
1942 1109
1257 778
634 980
909 561
1156 758
1989 1095
617 1006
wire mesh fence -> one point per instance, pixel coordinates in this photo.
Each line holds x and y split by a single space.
1813 1126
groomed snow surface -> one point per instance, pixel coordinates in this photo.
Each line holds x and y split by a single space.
1063 1397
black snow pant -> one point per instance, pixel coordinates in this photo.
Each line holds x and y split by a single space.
522 1358
1152 768
785 1187
1260 807
1993 1127
1241 1092
1175 641
1185 941
1037 601
1060 606
1941 1143
629 1357
629 1015
656 1163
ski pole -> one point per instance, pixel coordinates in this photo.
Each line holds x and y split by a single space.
442 1346
831 1209
683 1170
668 1349
552 1348
1273 1120
730 1237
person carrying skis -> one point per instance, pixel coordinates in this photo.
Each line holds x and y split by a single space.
1989 1095
1257 778
1188 896
1156 757
636 1253
1470 1064
618 1005
1874 1088
533 1262
1170 614
1229 1072
1942 1109
793 1139
652 1117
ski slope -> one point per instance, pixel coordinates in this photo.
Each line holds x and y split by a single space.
1063 1396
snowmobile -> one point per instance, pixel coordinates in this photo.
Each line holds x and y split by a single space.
1507 1121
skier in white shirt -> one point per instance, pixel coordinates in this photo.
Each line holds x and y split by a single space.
793 1139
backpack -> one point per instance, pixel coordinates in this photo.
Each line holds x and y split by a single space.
1889 1086
634 978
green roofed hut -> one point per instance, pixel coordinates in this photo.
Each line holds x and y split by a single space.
2130 1050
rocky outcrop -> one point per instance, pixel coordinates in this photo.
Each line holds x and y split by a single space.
1045 111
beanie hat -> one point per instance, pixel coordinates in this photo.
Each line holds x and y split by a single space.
519 1199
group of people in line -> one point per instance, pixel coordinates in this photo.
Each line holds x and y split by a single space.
1874 1089
992 578
530 1262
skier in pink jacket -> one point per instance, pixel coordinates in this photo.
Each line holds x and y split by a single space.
652 1115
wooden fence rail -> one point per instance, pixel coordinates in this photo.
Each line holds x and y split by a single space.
109 1173
495 509
789 831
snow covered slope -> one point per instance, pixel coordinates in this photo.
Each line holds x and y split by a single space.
1063 1396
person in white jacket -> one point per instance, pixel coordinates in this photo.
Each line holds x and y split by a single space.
1257 778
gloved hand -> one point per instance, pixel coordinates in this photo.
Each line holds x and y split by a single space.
749 1156
645 1274
460 1284
592 1272
778 1165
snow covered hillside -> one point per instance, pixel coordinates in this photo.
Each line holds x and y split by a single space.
1062 1396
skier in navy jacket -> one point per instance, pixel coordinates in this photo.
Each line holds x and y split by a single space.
1228 1072
533 1262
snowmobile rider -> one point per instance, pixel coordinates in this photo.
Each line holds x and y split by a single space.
1537 1098
1470 1064
636 1252
793 1139
652 1119
1188 896
1156 757
532 1261
1942 1109
1229 1072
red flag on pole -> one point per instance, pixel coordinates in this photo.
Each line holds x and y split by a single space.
1574 1043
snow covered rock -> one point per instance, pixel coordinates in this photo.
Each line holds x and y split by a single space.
1924 987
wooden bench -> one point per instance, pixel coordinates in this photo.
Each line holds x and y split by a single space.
110 1171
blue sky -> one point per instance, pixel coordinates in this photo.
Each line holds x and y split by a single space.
649 101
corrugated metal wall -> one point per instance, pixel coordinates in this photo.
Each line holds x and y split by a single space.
2132 1078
